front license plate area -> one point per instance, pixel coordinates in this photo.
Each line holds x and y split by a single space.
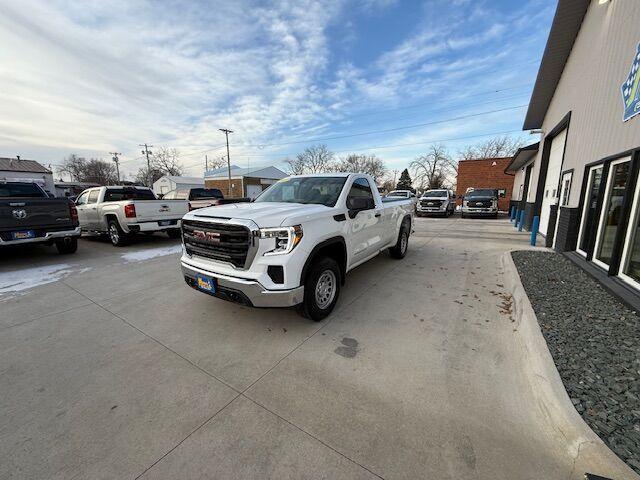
22 235
206 284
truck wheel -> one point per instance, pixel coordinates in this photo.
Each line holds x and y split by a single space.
399 250
116 235
67 245
321 289
174 233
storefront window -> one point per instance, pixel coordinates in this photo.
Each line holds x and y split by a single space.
591 202
612 212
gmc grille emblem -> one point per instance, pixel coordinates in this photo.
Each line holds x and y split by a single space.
212 237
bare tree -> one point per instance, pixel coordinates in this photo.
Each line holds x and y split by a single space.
316 159
143 175
435 169
74 167
91 171
356 163
167 161
496 147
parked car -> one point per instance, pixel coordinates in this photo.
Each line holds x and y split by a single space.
122 212
201 197
401 194
294 244
436 202
29 215
480 202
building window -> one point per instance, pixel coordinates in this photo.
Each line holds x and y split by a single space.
589 209
611 217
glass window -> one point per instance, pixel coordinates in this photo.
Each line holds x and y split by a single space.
481 193
590 204
612 211
93 196
316 190
632 248
198 193
132 193
82 199
361 188
31 190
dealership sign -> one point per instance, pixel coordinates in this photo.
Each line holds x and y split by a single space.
631 89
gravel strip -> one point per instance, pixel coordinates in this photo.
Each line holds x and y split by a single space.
595 342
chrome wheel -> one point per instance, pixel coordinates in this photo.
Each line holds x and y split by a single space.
326 289
114 235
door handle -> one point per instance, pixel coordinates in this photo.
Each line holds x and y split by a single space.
378 215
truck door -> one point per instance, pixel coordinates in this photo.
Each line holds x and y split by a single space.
364 231
81 206
91 210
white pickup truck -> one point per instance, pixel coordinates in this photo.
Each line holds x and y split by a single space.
124 211
294 244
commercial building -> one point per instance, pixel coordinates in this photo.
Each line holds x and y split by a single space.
19 170
485 173
581 179
245 182
169 182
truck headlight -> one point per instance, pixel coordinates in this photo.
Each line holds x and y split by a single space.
286 238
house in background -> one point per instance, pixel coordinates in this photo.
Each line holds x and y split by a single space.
245 182
169 182
18 170
485 173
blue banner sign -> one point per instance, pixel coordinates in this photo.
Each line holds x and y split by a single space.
631 89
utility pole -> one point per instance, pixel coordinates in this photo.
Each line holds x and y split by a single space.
148 152
116 161
395 172
206 164
226 132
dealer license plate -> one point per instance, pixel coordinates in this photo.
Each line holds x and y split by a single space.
23 235
206 284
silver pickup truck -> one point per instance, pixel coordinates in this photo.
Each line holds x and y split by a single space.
124 211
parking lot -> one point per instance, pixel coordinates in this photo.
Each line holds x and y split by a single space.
111 367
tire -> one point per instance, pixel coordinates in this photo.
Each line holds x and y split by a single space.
399 250
321 289
67 246
174 233
117 236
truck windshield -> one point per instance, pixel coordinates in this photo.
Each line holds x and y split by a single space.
317 190
30 190
117 194
435 193
481 193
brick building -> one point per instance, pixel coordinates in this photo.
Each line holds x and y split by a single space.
245 182
485 173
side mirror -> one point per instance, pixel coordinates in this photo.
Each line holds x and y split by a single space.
359 204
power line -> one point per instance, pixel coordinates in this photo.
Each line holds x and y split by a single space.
387 130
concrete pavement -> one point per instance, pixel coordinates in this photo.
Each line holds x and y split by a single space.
117 369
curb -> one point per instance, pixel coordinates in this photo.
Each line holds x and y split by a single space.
589 452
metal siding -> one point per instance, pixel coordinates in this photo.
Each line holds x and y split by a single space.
590 89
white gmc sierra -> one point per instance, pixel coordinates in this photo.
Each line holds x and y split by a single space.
294 244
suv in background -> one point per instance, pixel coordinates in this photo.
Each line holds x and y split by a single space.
436 202
480 202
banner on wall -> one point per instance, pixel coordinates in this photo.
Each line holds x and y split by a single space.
631 89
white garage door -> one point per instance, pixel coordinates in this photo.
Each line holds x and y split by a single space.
550 193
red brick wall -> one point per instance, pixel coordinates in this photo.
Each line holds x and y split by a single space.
485 173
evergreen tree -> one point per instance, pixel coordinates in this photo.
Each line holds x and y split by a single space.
405 181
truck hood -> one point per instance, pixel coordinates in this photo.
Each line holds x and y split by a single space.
480 198
267 214
433 198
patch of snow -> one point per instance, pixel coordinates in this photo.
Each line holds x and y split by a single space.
19 280
151 253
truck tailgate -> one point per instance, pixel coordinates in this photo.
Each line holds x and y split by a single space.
154 210
34 213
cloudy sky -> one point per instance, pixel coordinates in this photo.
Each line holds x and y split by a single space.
368 76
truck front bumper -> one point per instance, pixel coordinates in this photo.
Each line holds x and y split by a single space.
243 291
49 236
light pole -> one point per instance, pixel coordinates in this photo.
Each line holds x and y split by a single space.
226 132
116 161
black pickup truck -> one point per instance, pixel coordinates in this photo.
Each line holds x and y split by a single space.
29 215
